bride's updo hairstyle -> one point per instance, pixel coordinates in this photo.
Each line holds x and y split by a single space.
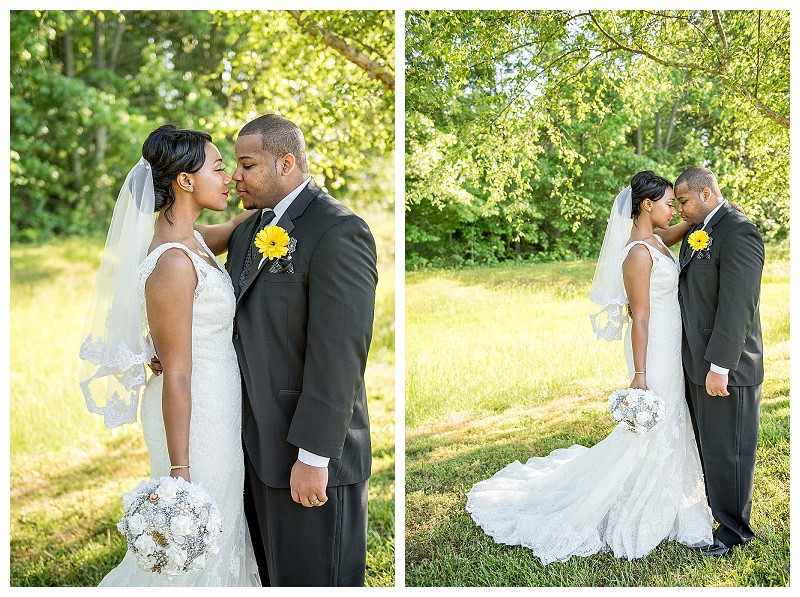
170 151
646 185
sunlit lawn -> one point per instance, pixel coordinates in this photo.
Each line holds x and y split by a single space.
502 365
68 471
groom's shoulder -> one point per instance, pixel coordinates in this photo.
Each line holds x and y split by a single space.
329 211
741 232
741 223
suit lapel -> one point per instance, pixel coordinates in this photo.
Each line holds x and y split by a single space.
688 248
286 222
684 247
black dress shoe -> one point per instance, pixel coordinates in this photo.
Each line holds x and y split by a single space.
718 548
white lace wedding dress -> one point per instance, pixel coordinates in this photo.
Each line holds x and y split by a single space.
215 441
629 492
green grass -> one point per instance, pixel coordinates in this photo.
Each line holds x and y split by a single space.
502 365
68 471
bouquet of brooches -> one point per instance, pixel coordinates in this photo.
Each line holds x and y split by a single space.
638 410
171 525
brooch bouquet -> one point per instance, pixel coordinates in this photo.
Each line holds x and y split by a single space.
637 410
171 525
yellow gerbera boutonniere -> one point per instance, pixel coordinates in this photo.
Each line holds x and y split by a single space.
698 240
272 242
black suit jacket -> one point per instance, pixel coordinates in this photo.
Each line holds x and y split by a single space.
719 297
302 340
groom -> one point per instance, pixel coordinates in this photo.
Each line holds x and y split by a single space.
302 333
721 262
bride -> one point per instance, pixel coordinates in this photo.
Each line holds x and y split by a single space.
161 290
629 492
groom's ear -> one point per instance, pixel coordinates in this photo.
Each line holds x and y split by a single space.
286 164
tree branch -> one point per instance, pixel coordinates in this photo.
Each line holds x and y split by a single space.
372 68
760 106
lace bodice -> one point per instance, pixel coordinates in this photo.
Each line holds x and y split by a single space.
663 278
214 305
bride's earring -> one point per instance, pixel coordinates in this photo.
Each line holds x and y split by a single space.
191 189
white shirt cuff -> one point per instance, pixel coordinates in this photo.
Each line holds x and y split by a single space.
720 370
310 459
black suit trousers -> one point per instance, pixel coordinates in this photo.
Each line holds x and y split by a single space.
726 431
295 546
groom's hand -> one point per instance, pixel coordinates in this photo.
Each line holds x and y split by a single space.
307 484
156 366
717 384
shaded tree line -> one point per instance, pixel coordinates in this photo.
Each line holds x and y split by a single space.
88 86
523 126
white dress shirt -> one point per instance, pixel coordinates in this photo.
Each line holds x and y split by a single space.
715 368
284 203
303 456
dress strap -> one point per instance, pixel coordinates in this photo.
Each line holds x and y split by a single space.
203 244
629 246
149 264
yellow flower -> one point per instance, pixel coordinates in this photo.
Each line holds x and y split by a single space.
698 240
272 242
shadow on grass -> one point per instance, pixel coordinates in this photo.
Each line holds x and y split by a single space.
23 273
63 517
563 279
41 262
445 548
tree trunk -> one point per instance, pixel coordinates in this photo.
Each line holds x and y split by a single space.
68 64
101 131
68 69
657 131
117 42
98 48
671 123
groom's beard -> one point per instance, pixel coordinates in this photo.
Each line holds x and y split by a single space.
252 202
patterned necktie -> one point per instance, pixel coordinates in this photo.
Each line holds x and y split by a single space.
266 218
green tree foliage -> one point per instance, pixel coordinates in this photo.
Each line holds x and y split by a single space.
88 86
523 126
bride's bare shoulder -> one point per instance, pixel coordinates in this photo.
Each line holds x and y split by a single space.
173 270
638 256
